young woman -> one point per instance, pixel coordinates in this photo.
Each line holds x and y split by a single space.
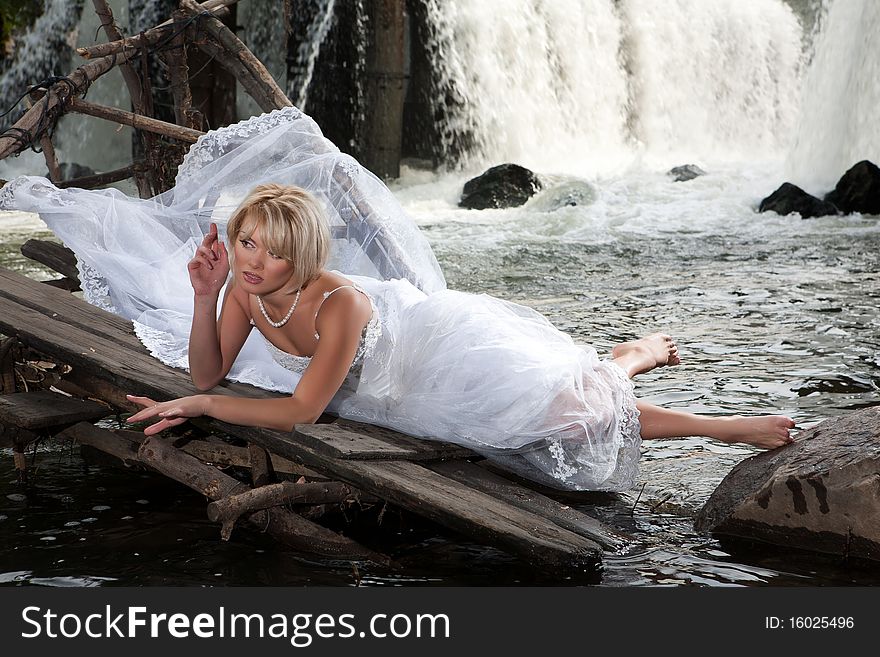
384 342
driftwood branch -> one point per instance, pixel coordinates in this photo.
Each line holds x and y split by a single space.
235 57
90 182
281 524
149 37
132 81
43 114
178 75
180 133
229 509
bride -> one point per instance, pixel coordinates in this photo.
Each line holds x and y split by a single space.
352 314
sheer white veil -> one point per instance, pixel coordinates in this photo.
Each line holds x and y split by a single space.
132 253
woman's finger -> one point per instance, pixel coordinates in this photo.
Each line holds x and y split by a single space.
163 424
145 414
143 401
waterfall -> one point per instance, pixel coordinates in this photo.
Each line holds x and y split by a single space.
572 84
841 99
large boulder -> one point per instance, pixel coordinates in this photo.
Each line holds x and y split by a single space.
820 493
858 190
502 186
791 198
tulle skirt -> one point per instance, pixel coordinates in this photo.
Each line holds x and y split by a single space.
474 370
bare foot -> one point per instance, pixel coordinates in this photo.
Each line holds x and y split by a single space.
644 354
763 431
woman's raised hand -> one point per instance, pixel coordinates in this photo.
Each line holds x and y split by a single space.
210 265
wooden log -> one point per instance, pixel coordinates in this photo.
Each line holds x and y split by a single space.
43 115
261 466
178 75
53 255
7 366
229 509
109 442
156 126
281 524
132 81
149 37
238 60
97 180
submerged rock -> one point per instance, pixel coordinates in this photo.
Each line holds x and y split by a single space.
685 172
502 186
820 493
570 193
791 198
858 190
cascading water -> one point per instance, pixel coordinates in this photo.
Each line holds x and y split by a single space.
585 86
840 109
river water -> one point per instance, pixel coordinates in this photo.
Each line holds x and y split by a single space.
771 314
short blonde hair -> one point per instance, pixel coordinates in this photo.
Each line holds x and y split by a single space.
292 224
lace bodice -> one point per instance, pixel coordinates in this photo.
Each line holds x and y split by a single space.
369 338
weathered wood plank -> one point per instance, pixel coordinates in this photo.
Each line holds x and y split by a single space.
56 257
563 515
44 409
353 440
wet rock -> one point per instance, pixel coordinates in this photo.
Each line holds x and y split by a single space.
685 172
819 493
570 193
791 198
502 186
840 384
858 190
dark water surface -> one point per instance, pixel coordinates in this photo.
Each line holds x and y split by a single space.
770 318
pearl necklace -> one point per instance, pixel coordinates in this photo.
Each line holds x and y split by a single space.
286 317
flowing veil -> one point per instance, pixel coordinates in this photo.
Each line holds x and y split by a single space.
132 253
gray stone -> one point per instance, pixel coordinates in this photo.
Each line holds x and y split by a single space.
789 198
820 493
685 172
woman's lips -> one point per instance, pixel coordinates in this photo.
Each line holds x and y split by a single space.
253 279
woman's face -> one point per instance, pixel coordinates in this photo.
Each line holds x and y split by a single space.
257 269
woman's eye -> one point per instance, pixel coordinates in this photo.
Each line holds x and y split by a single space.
272 255
246 243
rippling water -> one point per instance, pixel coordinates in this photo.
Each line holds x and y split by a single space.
772 314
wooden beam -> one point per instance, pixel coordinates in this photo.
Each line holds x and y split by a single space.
180 133
53 255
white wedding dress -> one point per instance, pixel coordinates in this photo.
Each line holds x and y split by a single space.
474 370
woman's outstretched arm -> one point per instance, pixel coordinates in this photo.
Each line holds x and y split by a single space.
340 325
213 343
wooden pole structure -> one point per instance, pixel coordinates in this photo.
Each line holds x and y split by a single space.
187 135
385 90
43 114
238 60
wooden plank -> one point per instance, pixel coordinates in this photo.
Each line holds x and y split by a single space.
344 439
44 409
560 514
53 255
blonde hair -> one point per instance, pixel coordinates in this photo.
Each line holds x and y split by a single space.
292 225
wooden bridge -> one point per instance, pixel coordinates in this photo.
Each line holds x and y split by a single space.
93 358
